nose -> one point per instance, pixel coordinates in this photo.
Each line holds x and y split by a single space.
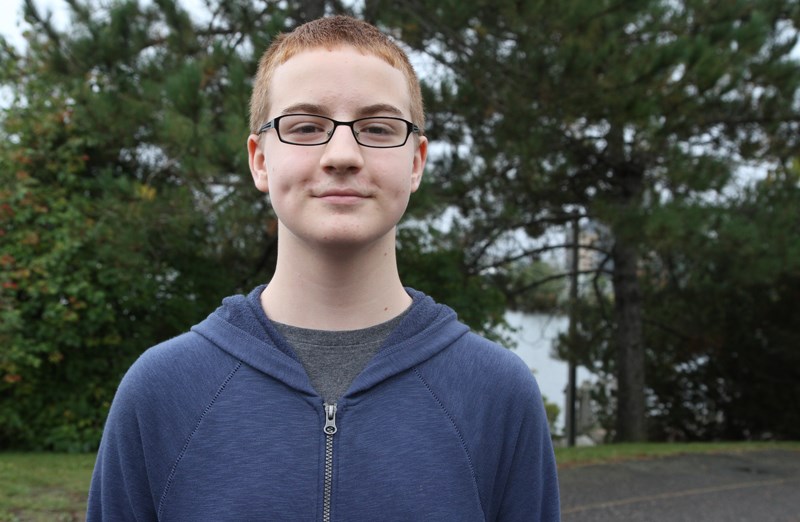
342 153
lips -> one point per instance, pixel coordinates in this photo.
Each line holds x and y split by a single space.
342 196
344 193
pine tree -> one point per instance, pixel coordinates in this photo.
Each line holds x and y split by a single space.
614 110
126 209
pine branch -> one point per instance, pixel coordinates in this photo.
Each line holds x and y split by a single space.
533 252
530 286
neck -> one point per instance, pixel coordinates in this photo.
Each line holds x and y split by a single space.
335 288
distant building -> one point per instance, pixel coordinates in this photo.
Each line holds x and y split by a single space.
594 249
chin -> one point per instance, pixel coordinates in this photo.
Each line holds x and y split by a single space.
349 238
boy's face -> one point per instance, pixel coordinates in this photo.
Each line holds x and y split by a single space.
339 193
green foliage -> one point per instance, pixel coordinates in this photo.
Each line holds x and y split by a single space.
120 158
127 209
727 365
440 272
552 410
635 115
721 288
533 286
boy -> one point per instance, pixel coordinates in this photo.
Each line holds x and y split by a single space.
333 392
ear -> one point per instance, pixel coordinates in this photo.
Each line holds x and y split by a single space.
258 163
418 165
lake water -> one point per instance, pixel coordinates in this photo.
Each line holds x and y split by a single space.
535 335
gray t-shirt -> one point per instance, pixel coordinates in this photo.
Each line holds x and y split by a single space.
333 359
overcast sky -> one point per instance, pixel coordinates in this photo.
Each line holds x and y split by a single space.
11 17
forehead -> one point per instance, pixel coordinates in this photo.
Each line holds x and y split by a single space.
338 81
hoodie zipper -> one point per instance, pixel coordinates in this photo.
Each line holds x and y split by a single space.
329 430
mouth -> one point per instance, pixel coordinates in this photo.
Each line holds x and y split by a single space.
342 196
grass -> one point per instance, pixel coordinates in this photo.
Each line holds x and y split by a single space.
42 487
52 487
571 457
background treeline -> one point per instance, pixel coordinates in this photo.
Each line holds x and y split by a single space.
127 211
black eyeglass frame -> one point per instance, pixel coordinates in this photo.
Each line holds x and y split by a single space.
275 124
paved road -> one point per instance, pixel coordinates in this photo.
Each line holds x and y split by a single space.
762 486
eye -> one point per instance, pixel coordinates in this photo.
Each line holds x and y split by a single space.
304 127
379 127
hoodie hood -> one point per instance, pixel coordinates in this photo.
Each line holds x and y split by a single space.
241 328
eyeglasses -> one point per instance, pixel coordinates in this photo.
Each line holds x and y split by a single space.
380 132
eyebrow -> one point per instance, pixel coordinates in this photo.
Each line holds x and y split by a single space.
379 108
363 112
306 108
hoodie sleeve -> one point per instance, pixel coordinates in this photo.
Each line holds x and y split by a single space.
157 408
120 488
531 486
493 398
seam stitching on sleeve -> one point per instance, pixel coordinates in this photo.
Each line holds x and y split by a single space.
191 436
461 439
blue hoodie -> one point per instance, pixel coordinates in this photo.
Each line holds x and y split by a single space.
222 423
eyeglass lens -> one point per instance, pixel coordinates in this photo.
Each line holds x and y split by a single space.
304 129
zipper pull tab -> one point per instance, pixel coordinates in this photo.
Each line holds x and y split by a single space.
330 419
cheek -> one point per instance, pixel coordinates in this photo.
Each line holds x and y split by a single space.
400 192
279 189
404 190
398 174
282 179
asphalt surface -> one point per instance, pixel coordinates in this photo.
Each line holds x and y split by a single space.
762 486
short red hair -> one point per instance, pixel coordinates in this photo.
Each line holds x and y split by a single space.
329 33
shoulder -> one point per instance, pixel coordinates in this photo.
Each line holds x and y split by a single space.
154 412
484 383
507 432
493 400
174 372
170 358
163 395
487 362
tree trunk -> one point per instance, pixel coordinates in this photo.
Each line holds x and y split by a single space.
630 349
